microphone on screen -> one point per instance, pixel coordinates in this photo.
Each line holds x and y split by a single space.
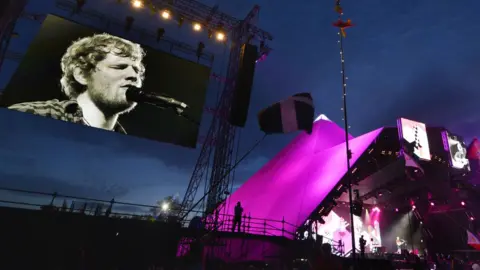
134 94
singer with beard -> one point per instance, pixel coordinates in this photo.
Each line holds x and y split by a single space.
97 73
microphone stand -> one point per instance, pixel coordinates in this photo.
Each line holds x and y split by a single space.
178 112
186 116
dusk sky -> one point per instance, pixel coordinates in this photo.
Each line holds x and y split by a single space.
404 58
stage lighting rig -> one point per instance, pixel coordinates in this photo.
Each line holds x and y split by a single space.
218 23
166 14
135 3
197 27
327 207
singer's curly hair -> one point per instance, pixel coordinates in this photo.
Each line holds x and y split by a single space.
85 53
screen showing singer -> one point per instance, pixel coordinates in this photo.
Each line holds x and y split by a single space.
76 74
96 73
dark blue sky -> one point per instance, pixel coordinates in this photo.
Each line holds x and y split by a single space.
417 59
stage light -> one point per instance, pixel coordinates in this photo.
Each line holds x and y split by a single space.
432 204
472 218
413 207
137 4
220 36
160 33
376 209
197 27
166 14
396 209
128 23
165 206
462 203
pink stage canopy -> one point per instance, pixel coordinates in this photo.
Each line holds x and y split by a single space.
296 180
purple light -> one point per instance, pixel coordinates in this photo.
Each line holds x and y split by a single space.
432 204
299 177
462 203
376 209
396 209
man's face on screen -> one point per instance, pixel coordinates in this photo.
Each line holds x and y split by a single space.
110 80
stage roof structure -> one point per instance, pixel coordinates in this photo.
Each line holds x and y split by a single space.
291 185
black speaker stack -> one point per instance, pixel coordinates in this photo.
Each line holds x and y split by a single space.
243 86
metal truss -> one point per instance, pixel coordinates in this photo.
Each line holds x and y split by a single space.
212 18
7 24
165 44
221 132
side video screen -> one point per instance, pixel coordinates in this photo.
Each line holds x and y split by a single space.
457 150
415 133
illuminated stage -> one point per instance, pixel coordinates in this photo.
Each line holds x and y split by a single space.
337 229
292 185
393 169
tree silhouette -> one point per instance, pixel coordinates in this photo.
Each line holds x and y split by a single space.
169 206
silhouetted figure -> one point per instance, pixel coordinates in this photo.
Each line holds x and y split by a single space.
237 219
363 242
341 247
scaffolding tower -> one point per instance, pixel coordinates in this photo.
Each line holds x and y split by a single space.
220 139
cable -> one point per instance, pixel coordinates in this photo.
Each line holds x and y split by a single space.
226 174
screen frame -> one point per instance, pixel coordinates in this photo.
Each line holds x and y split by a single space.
182 131
401 135
446 137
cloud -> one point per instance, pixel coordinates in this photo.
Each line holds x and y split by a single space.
436 99
253 164
50 185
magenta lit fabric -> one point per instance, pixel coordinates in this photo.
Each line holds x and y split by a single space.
296 180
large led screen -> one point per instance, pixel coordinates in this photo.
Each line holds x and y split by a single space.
77 74
337 229
415 132
457 150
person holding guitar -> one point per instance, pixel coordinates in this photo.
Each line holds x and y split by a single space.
399 243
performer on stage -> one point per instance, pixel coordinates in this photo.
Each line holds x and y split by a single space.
97 71
399 243
362 242
341 247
